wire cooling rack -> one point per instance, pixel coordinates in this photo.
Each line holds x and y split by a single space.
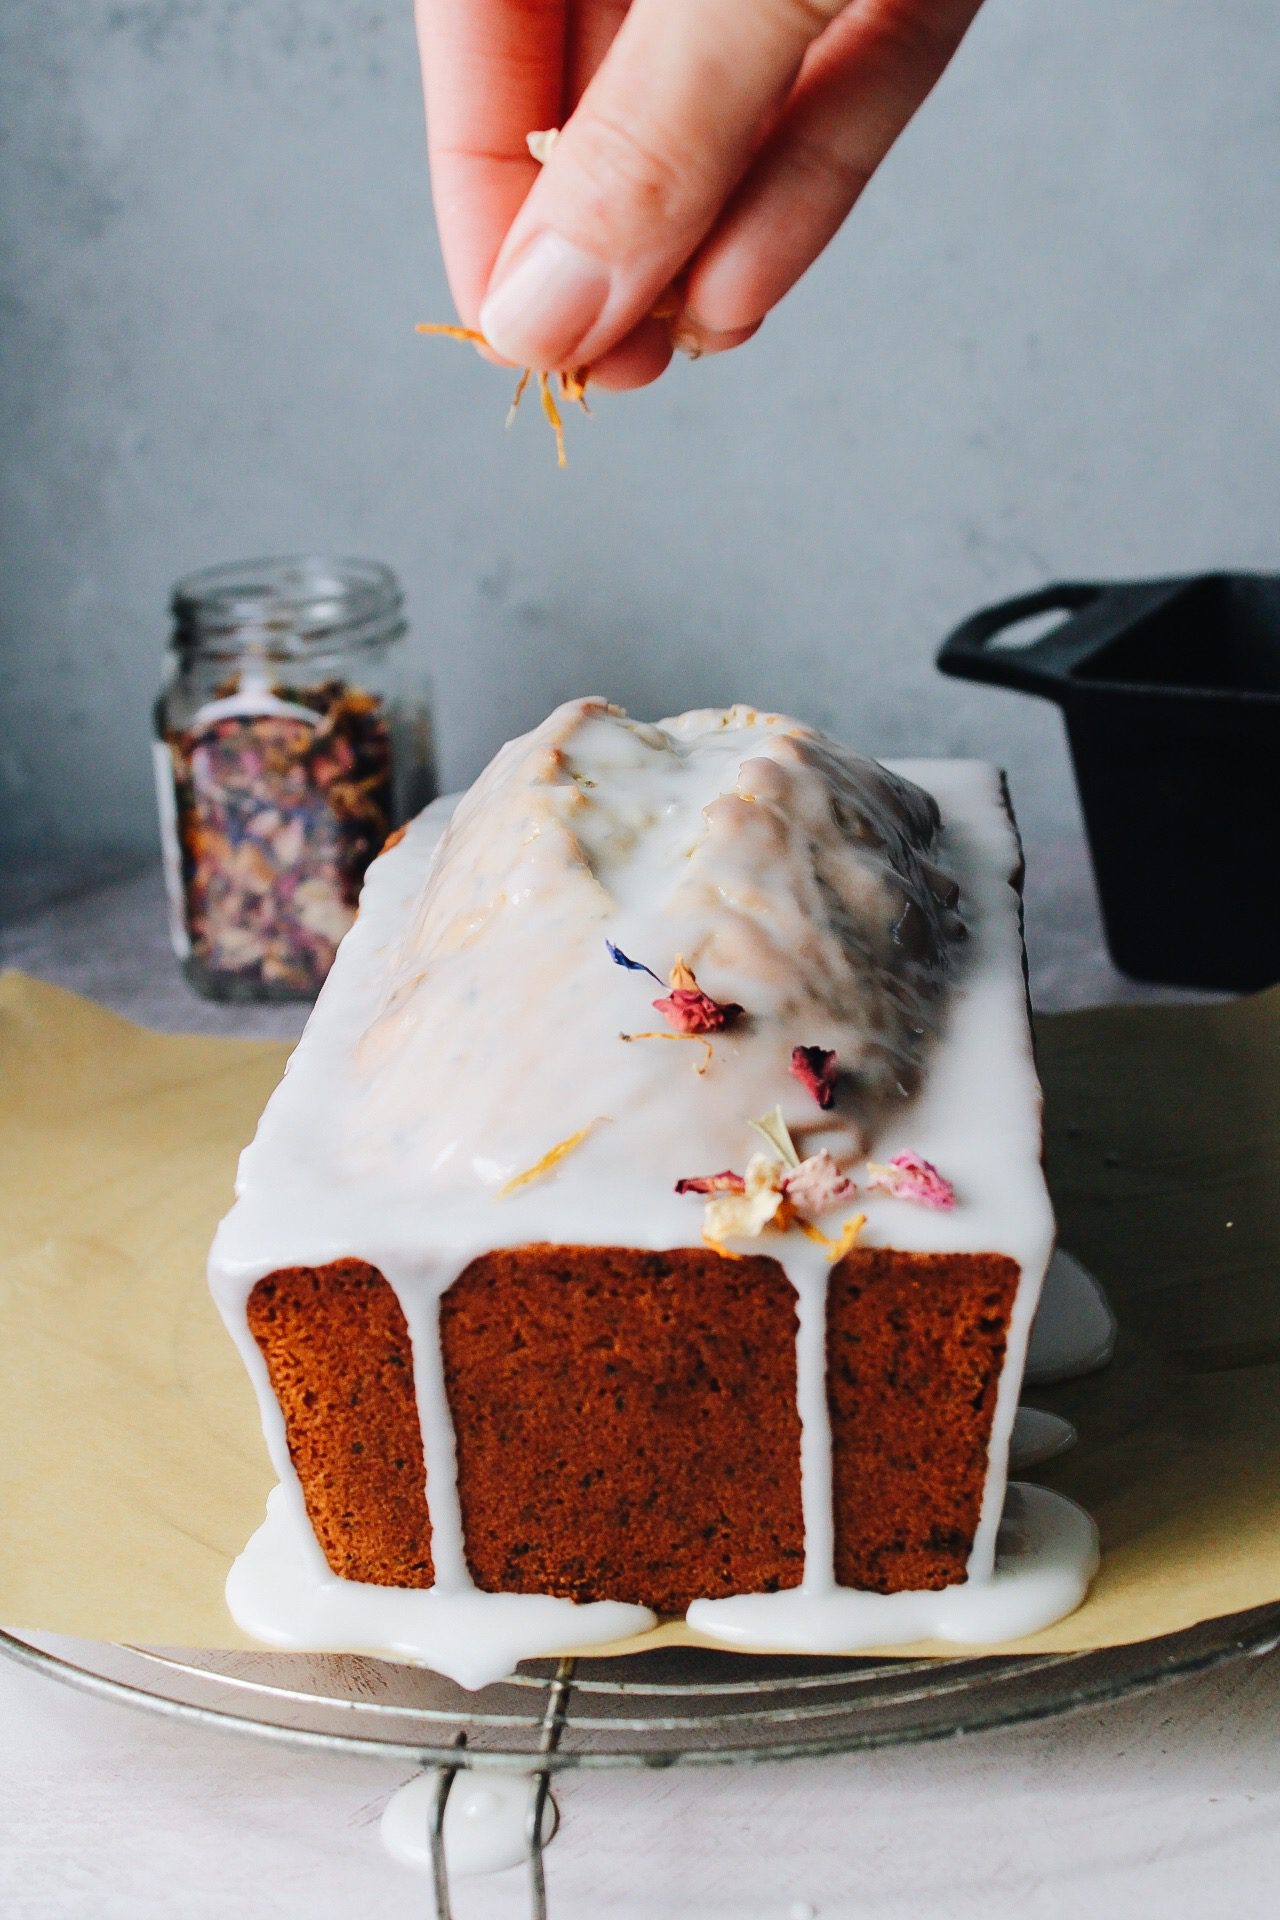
670 1707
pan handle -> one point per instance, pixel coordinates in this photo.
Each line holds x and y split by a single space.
1039 666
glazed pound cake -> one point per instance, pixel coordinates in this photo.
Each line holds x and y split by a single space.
651 1220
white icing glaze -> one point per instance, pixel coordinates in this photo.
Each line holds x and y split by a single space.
281 1591
486 1820
472 1020
1046 1555
1037 1437
1075 1330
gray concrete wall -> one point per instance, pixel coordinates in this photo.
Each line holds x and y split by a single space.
1045 345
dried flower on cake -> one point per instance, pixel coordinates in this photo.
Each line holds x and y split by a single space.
726 1182
817 1069
551 1158
773 1128
743 1216
621 959
688 1009
700 1066
910 1177
847 1239
817 1185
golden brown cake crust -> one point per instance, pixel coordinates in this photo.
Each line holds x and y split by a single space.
915 1347
626 1423
337 1351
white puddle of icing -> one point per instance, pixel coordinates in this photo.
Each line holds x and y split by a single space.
281 1590
355 1158
1038 1436
1046 1555
1075 1330
486 1822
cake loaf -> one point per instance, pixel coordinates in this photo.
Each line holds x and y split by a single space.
651 1218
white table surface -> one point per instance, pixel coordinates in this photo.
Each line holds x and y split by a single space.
1165 1807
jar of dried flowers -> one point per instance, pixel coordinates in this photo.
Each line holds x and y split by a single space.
286 747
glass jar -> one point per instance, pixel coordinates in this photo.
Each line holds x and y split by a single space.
286 750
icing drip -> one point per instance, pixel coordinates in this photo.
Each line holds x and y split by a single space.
1046 1555
1037 1437
472 1022
485 1819
1075 1329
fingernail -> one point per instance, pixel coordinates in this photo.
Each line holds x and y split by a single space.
545 303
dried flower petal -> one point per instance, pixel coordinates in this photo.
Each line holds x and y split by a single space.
552 412
726 1182
726 1253
848 1237
909 1177
817 1185
742 1216
540 143
816 1068
573 387
700 1067
688 1009
518 396
776 1131
621 959
451 333
692 1011
551 1158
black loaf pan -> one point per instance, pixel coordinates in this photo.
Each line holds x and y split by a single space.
1170 690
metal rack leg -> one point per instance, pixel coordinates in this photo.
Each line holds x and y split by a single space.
552 1726
442 1787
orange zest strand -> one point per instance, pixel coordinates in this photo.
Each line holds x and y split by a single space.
551 1158
718 1246
451 333
847 1238
572 384
552 412
573 387
518 395
845 1241
700 1066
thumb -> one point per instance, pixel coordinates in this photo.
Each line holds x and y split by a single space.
660 138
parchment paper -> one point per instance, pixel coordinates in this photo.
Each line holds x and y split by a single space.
132 1468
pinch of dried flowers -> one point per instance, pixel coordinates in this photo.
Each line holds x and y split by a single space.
688 1009
726 1182
910 1177
621 959
700 1066
551 1158
571 383
817 1069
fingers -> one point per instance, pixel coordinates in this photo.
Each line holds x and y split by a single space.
592 29
492 70
635 361
644 165
856 93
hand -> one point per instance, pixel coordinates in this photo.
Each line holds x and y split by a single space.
712 147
